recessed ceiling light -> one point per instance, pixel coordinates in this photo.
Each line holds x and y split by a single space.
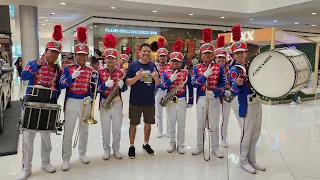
116 25
275 21
95 26
90 26
154 11
313 25
313 13
250 19
52 13
222 17
62 3
191 14
137 37
171 35
43 24
113 7
46 20
296 23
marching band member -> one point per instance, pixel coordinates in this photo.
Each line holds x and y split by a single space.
124 58
162 67
177 80
221 57
45 73
208 79
77 81
250 110
110 80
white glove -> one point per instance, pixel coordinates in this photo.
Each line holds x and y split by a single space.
227 93
87 100
210 94
120 83
76 73
109 82
189 105
208 72
174 76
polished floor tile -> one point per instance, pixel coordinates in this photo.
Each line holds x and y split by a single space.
289 146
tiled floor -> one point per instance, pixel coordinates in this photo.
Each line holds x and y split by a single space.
289 146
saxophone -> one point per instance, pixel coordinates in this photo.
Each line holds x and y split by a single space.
112 98
171 97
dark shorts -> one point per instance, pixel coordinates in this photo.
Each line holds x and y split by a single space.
135 113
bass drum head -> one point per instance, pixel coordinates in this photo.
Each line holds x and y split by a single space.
271 74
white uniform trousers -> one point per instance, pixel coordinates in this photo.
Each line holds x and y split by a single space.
159 110
250 133
177 113
112 117
72 113
27 148
214 117
226 110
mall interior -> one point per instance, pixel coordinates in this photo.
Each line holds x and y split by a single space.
288 145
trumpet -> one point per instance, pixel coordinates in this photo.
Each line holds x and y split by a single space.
91 119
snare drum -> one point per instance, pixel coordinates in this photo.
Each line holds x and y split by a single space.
279 72
41 94
40 117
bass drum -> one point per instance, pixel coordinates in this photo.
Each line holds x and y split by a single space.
279 72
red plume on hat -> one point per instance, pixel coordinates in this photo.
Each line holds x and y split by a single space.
128 50
57 33
161 42
220 42
81 34
177 46
110 41
207 35
236 33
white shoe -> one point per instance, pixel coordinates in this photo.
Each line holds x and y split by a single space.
224 144
48 168
171 148
217 153
197 151
181 150
118 155
24 175
248 168
293 103
106 155
258 167
159 135
65 166
167 135
84 159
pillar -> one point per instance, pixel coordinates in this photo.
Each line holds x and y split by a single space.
29 33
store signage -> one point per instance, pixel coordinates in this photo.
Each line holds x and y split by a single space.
257 35
246 36
130 31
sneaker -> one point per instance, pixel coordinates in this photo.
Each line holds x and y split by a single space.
293 103
224 144
84 159
48 168
148 149
171 148
248 168
258 167
159 135
65 166
181 150
197 151
118 155
217 153
24 175
132 152
106 155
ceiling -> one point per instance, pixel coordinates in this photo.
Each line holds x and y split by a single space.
263 12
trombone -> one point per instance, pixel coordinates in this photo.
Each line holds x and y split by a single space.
91 119
206 130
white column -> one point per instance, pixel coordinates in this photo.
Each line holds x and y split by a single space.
29 33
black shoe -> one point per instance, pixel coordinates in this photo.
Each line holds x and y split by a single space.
148 149
132 152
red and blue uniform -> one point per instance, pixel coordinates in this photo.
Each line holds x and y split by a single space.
45 75
104 74
162 69
184 74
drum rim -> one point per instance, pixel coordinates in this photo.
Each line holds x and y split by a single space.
290 59
48 105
